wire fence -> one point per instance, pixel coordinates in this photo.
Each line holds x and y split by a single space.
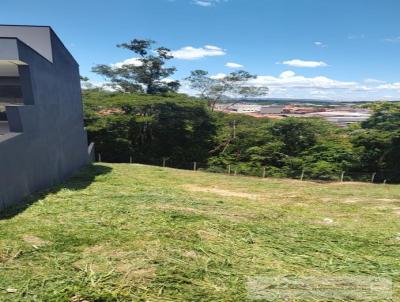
379 177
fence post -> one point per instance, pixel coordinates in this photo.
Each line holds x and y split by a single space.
99 158
131 160
194 166
229 169
342 177
373 177
302 175
235 172
264 172
164 160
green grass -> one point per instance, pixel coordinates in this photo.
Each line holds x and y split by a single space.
139 233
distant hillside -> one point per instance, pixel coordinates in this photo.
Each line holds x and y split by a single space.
268 101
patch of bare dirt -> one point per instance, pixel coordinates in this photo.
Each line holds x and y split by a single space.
34 241
396 211
345 183
190 254
97 266
207 235
381 208
351 200
388 200
104 251
221 192
327 221
99 258
93 249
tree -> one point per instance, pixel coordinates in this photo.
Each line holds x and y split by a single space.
298 135
386 117
148 128
147 73
372 148
235 84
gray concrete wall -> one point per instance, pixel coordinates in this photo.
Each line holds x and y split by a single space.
36 37
47 142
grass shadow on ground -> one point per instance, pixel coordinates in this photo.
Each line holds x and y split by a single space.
79 181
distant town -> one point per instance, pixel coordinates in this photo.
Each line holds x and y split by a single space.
340 114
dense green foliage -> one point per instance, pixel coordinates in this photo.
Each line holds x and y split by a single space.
284 147
148 128
181 130
378 141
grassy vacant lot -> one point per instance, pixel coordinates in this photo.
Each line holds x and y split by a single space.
139 233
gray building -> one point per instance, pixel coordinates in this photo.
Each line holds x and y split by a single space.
272 109
42 136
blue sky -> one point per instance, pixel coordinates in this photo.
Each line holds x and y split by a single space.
342 49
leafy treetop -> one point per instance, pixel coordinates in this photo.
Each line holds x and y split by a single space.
235 84
147 74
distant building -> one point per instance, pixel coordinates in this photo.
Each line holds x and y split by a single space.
244 108
220 106
341 115
343 118
272 109
293 109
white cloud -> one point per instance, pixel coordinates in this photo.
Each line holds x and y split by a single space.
374 81
302 63
192 53
287 74
288 84
392 40
320 44
321 93
390 86
208 3
233 65
97 84
131 61
203 3
218 76
168 80
290 79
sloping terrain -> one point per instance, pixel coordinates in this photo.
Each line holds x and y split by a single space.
141 233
